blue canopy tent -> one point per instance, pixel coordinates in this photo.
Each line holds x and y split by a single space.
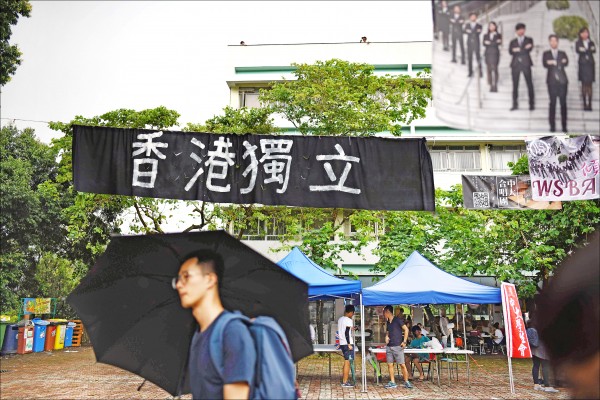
322 285
418 281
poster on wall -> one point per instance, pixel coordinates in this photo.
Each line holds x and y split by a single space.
310 171
502 191
564 169
516 66
37 305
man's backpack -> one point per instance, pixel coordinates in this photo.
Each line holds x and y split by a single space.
274 376
532 337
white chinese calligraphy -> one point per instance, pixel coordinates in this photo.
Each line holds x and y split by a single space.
341 156
196 158
148 147
220 159
252 168
275 150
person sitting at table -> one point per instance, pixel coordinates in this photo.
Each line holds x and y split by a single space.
417 343
497 338
424 331
474 331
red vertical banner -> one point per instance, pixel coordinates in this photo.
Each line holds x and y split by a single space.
517 345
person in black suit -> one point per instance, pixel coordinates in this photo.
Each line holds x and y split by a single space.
492 41
555 61
456 22
585 48
520 49
443 23
473 31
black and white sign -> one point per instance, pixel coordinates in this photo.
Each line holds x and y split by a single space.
506 191
311 171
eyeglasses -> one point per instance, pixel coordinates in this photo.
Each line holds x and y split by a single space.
183 278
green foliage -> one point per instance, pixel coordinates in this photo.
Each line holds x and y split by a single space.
239 121
557 4
10 55
521 246
568 26
521 167
30 219
337 97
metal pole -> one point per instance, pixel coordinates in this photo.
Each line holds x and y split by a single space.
363 352
462 308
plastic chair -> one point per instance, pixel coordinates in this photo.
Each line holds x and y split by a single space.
474 344
432 361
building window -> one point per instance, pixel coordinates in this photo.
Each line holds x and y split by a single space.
500 156
456 158
249 98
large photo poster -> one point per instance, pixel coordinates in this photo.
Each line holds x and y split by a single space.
563 169
524 66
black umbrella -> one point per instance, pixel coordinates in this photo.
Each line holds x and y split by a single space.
135 320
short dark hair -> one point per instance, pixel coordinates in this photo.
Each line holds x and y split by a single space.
552 35
520 25
585 28
496 325
415 329
472 13
349 308
208 261
389 308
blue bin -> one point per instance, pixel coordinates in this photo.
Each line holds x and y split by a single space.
69 334
11 340
39 334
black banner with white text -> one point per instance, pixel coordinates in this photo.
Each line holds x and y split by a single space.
309 171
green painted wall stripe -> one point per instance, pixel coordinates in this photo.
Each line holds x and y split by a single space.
289 68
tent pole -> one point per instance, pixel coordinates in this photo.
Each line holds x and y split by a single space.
462 310
364 347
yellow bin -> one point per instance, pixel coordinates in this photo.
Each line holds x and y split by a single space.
61 330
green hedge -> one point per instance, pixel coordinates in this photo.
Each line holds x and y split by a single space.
568 26
557 4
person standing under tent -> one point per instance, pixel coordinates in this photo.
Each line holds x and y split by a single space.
345 328
444 328
395 340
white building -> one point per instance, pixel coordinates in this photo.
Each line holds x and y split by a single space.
454 152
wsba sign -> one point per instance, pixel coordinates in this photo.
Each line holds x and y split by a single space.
564 169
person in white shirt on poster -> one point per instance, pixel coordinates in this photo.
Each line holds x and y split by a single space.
345 328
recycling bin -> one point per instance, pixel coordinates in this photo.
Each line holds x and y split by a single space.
11 338
3 325
50 336
39 334
59 339
69 334
25 339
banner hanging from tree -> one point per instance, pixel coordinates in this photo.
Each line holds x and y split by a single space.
517 345
502 191
564 169
308 171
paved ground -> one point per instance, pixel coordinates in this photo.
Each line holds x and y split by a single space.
76 375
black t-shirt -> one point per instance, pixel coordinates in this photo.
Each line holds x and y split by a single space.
395 332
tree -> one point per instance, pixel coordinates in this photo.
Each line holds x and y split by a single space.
10 55
30 218
337 97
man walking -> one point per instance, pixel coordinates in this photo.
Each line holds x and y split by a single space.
345 328
555 62
473 31
456 22
520 49
198 284
395 338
